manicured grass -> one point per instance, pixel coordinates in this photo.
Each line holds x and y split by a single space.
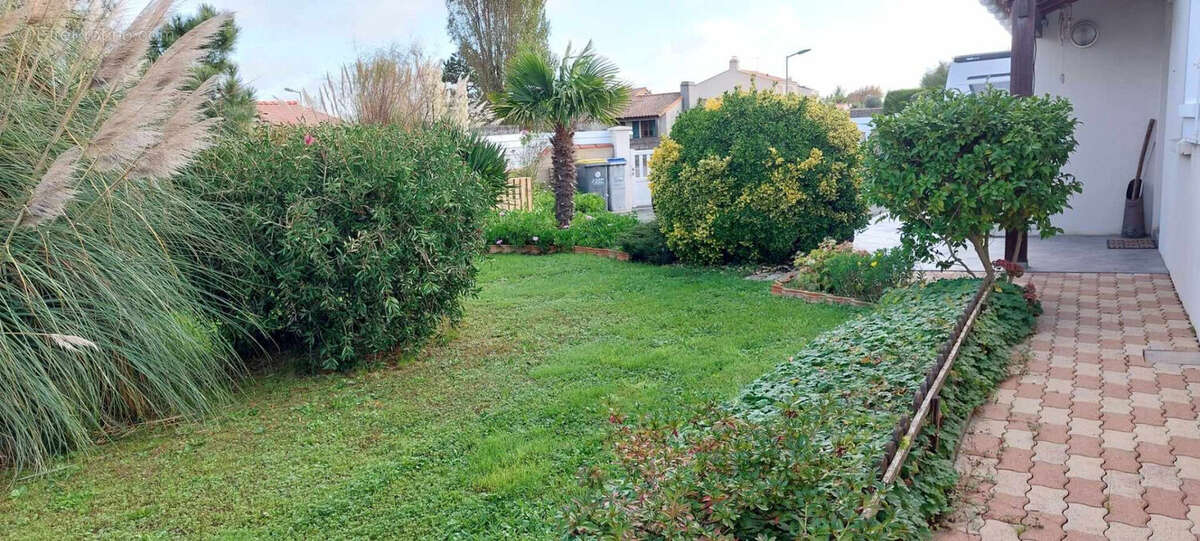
481 436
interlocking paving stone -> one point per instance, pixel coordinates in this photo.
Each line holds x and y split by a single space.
1085 519
1097 438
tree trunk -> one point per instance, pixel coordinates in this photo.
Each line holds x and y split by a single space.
981 250
563 181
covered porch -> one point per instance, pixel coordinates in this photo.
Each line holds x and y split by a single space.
1064 253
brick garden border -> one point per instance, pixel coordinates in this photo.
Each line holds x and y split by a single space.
780 289
533 249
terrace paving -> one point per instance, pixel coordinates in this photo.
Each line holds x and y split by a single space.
1091 440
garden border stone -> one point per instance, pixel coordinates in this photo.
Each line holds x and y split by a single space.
779 289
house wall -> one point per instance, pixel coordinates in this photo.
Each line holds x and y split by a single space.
1116 86
1179 204
728 80
667 119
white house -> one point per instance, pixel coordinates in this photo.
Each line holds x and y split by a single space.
733 78
1122 63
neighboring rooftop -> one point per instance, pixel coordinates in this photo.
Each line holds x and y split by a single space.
291 112
644 104
865 112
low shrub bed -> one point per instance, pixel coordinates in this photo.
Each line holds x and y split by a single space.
839 269
798 453
593 226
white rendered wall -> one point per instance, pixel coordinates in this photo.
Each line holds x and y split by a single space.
1116 86
1179 222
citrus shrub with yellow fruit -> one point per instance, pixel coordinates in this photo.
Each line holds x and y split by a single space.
755 176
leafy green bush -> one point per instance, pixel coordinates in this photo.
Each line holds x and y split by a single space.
361 238
840 270
798 454
543 202
646 243
897 100
756 176
592 226
590 203
521 228
952 167
597 230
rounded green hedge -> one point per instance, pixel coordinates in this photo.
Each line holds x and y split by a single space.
756 177
360 239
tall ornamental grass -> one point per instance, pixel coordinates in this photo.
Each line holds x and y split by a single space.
103 319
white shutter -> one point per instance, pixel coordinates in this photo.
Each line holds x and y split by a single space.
1189 110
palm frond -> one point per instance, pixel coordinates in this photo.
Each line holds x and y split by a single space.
541 91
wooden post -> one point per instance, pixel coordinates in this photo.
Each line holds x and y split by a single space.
1024 44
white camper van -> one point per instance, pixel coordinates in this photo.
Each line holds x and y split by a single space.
975 72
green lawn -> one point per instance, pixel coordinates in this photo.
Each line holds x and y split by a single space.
479 437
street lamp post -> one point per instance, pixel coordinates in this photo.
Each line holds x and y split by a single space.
787 77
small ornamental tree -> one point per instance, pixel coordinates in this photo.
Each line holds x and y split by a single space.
756 177
954 166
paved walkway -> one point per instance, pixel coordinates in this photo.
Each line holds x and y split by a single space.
1090 440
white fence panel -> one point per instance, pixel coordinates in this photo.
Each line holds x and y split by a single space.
522 147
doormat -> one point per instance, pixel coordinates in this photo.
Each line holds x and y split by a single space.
1132 244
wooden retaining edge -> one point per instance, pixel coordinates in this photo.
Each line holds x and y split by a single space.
533 249
778 288
930 396
603 252
528 249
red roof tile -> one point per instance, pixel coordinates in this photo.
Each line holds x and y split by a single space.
291 112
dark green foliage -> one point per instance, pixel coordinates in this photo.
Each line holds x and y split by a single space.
897 100
756 177
840 270
952 167
797 454
486 159
363 237
646 243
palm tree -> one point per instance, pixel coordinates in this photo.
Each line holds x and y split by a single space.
544 93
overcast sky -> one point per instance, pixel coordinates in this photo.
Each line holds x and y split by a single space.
657 43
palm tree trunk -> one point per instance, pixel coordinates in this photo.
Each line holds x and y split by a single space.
563 181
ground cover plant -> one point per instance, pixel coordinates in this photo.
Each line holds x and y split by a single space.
105 323
479 437
839 269
756 177
798 454
952 167
360 238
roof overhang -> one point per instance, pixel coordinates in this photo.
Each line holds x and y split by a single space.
1002 9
